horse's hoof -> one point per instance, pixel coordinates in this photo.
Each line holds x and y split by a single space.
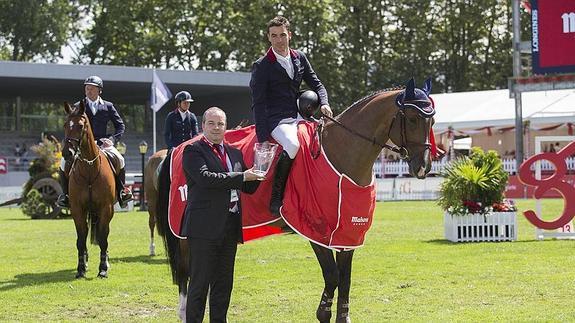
103 274
345 319
323 315
152 249
80 275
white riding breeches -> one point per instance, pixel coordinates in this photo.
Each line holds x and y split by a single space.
110 149
286 135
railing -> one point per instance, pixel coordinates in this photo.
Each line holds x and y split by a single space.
401 168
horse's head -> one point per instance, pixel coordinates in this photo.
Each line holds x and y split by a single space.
411 127
76 127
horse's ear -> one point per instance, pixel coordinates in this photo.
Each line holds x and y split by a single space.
410 89
67 107
427 86
81 108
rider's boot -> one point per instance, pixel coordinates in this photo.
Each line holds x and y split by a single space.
280 178
63 200
124 193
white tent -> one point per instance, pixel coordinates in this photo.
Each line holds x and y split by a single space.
488 118
473 110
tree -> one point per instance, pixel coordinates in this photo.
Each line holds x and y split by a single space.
36 30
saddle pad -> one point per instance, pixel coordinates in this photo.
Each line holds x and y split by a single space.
320 204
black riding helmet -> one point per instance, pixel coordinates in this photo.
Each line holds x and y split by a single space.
183 96
308 103
95 81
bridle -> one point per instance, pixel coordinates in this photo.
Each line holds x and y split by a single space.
78 152
401 149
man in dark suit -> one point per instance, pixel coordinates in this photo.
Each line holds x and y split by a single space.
181 124
100 113
275 84
215 173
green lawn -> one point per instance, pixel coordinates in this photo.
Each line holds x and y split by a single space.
405 272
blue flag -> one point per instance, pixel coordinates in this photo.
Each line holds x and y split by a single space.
160 93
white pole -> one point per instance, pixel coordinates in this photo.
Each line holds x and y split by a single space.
154 127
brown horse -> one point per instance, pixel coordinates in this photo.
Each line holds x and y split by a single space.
352 142
151 191
91 186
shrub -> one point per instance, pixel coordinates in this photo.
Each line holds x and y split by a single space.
474 184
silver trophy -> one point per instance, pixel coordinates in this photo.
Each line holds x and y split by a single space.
263 156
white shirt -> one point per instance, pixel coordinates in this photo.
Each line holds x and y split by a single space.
285 62
184 114
92 104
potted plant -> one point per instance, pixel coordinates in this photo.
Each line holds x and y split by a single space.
472 197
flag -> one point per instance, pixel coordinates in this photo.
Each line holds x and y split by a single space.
160 93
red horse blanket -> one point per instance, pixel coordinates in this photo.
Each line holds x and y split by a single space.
320 204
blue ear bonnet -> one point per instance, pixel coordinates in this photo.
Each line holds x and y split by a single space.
417 99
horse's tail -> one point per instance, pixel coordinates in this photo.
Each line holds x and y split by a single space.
171 242
93 226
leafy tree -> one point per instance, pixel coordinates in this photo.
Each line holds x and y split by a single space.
36 30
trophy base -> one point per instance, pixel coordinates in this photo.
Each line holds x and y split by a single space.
260 172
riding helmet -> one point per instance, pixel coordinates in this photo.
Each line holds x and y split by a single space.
308 103
184 96
94 80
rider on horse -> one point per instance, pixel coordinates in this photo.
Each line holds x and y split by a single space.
275 82
99 113
181 124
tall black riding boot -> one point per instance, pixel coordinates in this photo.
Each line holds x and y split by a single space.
280 178
124 193
63 200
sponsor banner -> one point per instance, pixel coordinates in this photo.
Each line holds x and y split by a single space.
399 188
553 36
8 193
516 189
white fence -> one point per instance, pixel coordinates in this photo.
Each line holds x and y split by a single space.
496 226
400 168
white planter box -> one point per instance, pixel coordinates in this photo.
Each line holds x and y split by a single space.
496 226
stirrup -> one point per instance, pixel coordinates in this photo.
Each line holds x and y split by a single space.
125 197
63 201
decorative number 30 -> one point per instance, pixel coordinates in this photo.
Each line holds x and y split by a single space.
556 182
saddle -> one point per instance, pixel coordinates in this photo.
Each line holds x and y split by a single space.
113 160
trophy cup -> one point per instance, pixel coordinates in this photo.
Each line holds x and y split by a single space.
263 156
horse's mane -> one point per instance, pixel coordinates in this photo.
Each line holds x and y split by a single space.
361 102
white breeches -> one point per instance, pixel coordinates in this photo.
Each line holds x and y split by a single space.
286 135
111 149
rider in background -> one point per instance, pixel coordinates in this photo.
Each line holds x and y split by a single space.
181 124
99 113
275 83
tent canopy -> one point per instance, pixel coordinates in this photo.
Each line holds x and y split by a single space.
472 110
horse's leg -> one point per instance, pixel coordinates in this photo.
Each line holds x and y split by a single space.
81 224
152 224
330 276
182 276
344 260
103 226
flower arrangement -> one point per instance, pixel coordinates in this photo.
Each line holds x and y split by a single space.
475 185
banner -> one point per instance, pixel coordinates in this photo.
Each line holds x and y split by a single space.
553 36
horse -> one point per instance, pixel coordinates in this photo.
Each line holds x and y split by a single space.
403 116
151 191
91 186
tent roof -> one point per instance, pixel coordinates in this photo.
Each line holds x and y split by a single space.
471 110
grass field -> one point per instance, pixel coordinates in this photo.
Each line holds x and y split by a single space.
405 272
